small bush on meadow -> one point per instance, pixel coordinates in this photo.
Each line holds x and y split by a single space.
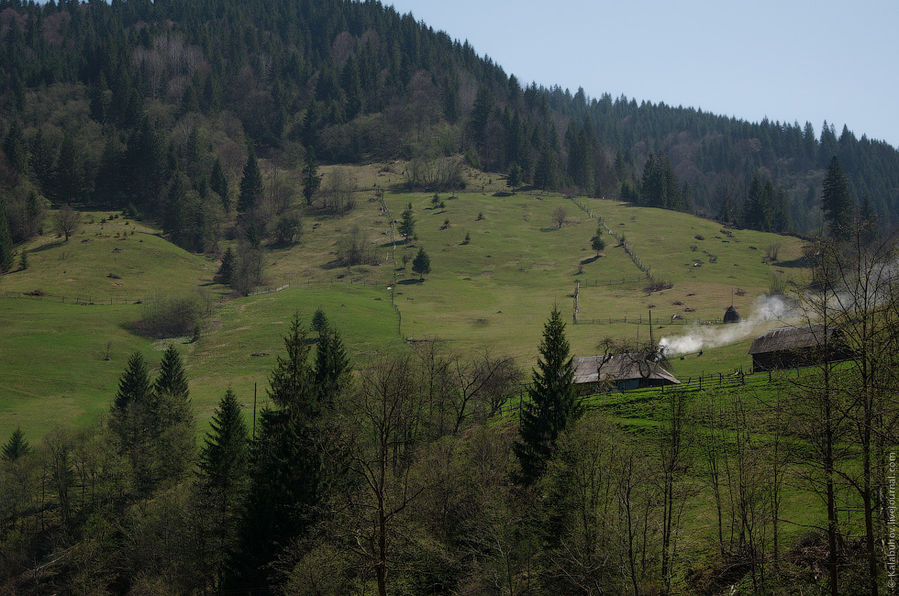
167 316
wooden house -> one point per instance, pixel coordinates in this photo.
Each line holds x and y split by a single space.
619 372
791 347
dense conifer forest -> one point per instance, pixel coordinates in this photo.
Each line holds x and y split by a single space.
152 106
421 466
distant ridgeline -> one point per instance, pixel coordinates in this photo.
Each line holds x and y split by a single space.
152 105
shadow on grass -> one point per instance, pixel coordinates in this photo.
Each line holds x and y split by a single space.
800 262
589 260
47 246
409 282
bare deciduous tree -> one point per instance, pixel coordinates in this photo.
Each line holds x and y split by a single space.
66 221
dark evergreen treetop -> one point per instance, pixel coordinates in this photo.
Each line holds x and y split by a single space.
552 403
172 380
134 384
225 456
291 381
251 187
837 202
16 446
332 366
421 264
407 224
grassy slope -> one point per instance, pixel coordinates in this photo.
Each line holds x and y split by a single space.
495 292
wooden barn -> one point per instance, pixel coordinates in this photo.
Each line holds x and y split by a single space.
791 347
619 372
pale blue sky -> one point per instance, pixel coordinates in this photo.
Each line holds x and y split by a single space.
788 60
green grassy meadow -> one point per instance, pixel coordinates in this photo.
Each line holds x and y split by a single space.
492 293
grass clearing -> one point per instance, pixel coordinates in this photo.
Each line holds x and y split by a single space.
494 292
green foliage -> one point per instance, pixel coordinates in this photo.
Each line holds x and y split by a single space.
224 475
250 184
226 270
6 247
837 202
660 186
311 178
332 365
14 147
353 248
219 184
319 320
552 402
170 316
421 264
285 467
16 447
597 243
289 229
224 458
407 225
66 222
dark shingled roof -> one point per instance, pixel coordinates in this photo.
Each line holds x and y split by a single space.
619 367
790 338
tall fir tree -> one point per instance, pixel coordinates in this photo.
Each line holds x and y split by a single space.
224 469
174 417
251 187
311 178
421 264
407 225
837 202
16 446
218 182
133 422
553 402
332 366
284 478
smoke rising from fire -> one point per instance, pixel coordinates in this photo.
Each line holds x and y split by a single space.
767 308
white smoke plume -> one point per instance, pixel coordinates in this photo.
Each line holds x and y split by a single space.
767 308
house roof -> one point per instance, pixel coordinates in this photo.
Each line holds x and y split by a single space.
790 338
618 367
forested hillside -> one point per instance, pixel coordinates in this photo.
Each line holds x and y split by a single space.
154 106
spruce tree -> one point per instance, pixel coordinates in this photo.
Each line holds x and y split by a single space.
219 183
16 446
171 379
552 403
224 468
407 225
332 366
836 201
251 184
421 264
597 243
225 455
226 270
284 478
311 179
174 419
133 422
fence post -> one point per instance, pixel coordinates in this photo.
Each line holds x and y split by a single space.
700 382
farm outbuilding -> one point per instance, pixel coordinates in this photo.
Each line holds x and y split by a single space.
791 347
620 372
